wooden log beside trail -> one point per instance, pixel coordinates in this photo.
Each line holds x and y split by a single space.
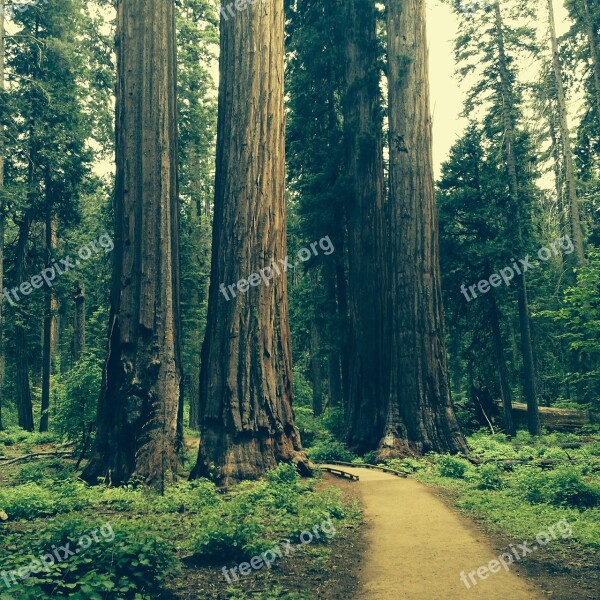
556 419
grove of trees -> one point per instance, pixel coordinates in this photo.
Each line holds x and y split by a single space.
240 138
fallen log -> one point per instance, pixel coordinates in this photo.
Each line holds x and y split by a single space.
556 419
11 461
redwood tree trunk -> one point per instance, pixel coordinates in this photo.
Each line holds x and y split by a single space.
420 415
366 282
139 404
246 375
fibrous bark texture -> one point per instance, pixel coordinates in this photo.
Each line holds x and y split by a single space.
138 409
363 140
247 421
419 412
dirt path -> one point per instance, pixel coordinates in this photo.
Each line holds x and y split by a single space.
417 547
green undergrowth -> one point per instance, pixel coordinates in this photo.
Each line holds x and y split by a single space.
521 500
153 536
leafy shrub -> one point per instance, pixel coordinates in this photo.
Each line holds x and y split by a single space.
13 435
77 399
311 429
333 420
28 501
131 563
330 449
564 486
370 458
407 465
49 472
32 500
186 497
489 477
569 489
255 516
227 539
450 466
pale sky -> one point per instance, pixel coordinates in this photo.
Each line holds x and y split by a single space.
447 97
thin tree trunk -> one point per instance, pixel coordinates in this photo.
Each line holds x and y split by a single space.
366 282
592 35
49 335
565 134
23 389
529 384
246 373
2 218
139 405
558 173
509 424
193 372
315 368
343 314
333 334
78 320
420 413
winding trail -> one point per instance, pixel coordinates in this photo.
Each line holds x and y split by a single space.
417 547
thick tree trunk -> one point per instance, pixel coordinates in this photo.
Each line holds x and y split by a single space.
509 424
366 282
49 335
246 373
420 415
565 134
529 383
78 320
140 398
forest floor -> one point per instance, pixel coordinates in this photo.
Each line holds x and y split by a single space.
417 547
408 538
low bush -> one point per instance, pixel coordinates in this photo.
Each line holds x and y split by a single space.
124 559
489 477
452 467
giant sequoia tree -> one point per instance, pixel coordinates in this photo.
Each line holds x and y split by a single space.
363 140
138 409
247 422
420 416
